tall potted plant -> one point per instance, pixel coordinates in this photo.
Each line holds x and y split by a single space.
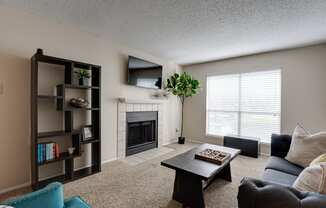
183 86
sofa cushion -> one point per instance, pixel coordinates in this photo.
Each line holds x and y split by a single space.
280 164
312 179
278 177
318 160
280 145
305 147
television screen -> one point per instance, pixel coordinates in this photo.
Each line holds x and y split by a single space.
143 73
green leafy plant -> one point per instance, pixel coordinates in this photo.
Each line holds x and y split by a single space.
183 86
82 73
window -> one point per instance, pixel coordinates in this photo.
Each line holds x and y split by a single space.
247 104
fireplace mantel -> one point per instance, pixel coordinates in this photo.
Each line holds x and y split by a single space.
140 101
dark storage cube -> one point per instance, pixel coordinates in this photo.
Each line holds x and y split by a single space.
248 146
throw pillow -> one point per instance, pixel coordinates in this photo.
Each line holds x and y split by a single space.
312 179
305 147
318 160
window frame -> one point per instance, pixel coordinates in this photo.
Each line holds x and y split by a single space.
239 112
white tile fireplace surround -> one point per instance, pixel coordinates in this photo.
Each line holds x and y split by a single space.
124 106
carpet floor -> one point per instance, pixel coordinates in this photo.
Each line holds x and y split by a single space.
149 185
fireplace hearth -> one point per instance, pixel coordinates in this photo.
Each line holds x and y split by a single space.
141 131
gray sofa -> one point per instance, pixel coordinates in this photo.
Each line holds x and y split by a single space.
274 190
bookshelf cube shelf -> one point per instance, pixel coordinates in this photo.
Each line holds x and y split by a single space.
69 173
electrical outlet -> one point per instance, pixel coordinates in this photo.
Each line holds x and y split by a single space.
1 88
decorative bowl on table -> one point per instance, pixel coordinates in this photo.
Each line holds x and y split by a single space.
78 102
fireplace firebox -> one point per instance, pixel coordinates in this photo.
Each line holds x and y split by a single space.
141 131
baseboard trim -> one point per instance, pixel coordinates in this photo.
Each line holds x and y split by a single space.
109 160
195 141
171 141
13 188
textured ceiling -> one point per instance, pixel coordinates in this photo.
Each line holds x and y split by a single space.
191 31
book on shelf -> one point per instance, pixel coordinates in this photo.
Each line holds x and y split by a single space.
47 151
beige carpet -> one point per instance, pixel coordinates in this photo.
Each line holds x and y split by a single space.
149 185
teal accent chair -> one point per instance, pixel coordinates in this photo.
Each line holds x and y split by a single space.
50 196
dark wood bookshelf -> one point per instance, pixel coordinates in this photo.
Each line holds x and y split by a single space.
76 109
90 141
61 178
49 97
81 87
62 156
68 131
52 134
78 174
85 172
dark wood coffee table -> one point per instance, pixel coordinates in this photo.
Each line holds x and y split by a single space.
193 175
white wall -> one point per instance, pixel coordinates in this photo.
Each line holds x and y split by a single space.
303 88
20 35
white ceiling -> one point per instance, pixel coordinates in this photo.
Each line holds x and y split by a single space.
191 31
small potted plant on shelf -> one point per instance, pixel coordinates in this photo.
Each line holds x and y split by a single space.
83 76
183 86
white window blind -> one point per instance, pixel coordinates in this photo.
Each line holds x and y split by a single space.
247 104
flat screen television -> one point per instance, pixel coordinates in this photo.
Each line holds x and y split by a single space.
143 73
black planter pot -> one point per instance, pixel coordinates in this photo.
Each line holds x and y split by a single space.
181 140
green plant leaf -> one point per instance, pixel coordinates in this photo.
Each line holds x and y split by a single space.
182 85
83 73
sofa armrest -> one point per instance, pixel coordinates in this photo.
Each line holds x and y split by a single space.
76 202
280 145
260 194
